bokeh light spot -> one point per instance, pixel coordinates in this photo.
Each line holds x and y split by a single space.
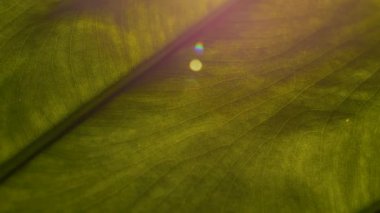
196 65
199 48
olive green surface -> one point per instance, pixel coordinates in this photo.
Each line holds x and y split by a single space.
283 117
56 56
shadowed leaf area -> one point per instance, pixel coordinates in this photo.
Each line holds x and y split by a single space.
281 117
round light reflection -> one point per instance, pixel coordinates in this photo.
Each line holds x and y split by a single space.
199 48
196 65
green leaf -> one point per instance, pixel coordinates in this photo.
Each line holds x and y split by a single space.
282 117
56 56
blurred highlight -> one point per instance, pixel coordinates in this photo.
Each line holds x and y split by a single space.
199 48
196 65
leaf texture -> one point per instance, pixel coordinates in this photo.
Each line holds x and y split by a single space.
283 117
57 56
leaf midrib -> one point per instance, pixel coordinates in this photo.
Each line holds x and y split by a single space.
75 118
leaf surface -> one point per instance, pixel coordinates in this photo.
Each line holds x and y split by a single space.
283 117
57 56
